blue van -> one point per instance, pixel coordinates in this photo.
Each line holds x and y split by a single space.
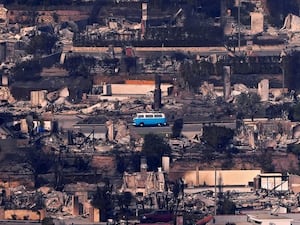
150 119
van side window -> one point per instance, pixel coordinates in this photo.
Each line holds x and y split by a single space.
158 115
149 116
140 116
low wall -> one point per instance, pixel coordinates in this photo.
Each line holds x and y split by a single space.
23 214
223 177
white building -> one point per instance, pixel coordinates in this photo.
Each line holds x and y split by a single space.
268 219
258 218
274 181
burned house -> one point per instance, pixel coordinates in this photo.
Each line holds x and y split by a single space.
276 134
145 182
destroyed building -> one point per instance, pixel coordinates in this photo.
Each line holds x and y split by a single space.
117 102
265 133
144 182
291 23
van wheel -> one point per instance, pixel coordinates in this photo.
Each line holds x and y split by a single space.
141 124
159 124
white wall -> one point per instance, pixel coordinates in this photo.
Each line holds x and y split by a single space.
137 89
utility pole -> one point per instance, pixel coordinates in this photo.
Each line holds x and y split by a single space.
283 78
282 62
239 25
215 206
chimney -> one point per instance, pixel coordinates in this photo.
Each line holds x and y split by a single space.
157 93
227 83
166 164
75 204
143 166
144 19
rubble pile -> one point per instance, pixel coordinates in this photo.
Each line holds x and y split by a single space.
261 199
56 201
44 197
267 134
5 95
239 88
122 132
107 106
207 90
200 202
265 200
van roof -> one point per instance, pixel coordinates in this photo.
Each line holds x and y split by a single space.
150 113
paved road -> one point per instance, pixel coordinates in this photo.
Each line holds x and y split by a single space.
187 128
141 51
69 122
